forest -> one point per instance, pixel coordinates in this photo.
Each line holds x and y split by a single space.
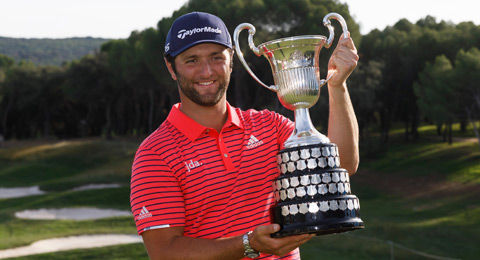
408 74
49 51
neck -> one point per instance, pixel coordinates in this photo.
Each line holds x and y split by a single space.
211 117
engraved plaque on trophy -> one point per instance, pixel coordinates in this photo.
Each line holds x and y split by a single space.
313 192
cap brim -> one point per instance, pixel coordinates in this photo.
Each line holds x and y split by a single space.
184 48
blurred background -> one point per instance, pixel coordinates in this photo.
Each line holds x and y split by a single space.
82 84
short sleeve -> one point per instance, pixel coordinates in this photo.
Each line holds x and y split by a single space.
284 127
155 198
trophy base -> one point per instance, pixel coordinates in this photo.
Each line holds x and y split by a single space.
322 229
313 193
318 223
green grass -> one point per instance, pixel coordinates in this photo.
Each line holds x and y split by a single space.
123 252
57 167
444 225
15 233
447 227
431 130
457 162
62 166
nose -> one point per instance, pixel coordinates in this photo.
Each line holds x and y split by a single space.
206 69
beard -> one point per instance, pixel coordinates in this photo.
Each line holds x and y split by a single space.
209 99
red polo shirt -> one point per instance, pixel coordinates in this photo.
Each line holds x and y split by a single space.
214 184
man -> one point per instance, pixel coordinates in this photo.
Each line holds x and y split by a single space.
199 189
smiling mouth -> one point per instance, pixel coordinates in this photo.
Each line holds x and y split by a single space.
206 83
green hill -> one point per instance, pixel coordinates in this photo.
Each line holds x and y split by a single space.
49 51
419 200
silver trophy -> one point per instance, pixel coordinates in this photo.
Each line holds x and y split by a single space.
312 192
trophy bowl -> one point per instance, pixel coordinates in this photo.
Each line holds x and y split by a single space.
313 192
296 73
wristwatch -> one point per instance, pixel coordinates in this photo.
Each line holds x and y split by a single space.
249 252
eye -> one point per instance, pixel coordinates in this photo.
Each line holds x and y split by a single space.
191 61
218 58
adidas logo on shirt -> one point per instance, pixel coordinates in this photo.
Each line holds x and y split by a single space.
253 142
144 214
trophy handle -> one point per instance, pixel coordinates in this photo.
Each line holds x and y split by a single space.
328 43
251 32
328 24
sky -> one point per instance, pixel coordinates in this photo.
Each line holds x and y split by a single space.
116 19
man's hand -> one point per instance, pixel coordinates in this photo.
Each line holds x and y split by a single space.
170 243
261 241
342 122
344 60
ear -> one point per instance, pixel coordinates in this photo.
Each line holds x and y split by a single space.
231 61
170 69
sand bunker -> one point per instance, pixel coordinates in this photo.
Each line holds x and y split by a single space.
66 243
69 243
18 192
97 186
8 193
84 213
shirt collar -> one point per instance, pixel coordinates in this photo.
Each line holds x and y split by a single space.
191 129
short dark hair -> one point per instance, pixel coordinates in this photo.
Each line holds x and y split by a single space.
170 59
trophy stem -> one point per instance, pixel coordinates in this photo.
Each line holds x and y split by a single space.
304 133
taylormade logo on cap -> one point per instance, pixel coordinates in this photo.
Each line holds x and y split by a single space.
183 33
195 28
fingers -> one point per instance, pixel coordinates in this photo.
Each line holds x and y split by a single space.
348 41
261 240
268 229
343 60
345 51
287 244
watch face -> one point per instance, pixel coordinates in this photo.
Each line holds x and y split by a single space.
253 255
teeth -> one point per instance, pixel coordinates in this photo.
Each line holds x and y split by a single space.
205 83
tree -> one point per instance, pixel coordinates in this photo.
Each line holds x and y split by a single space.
89 95
366 86
50 100
467 88
405 49
20 92
5 63
435 92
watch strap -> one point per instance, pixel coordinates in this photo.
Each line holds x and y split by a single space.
249 251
